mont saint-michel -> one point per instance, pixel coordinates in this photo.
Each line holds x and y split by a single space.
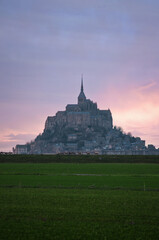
84 129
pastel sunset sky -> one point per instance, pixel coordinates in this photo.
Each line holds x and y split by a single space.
45 46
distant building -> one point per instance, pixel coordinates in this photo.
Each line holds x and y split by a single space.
81 115
84 129
20 149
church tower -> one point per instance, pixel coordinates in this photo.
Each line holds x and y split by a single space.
81 97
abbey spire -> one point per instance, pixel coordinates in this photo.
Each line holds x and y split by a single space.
82 83
81 97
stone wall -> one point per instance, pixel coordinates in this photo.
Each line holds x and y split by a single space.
82 119
75 119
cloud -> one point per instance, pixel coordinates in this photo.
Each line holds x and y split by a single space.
7 142
19 137
147 86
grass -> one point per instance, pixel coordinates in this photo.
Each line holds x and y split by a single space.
79 201
78 214
87 168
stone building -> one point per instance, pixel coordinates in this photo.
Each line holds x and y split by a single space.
20 149
81 115
84 129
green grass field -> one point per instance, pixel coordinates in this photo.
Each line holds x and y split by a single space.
79 201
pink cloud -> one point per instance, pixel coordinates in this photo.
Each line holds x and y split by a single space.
8 139
147 86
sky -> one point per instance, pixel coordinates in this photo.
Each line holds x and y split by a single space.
45 46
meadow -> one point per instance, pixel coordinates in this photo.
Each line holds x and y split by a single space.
79 201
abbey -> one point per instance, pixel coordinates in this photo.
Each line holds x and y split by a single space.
84 129
79 116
